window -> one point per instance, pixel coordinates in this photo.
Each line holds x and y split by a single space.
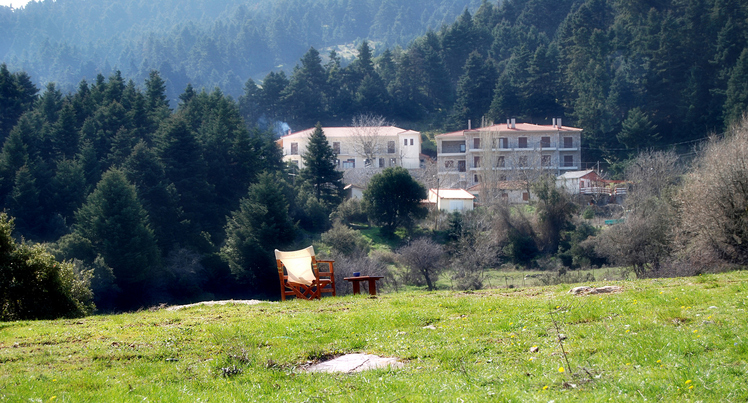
461 166
337 163
545 160
500 163
476 162
462 148
294 148
522 162
449 164
381 162
545 142
525 196
475 179
568 160
390 147
568 142
350 163
405 142
476 142
502 177
522 142
336 147
393 162
503 142
411 141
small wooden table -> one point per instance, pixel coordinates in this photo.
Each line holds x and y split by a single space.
356 281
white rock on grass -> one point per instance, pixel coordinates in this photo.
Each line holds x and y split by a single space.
355 363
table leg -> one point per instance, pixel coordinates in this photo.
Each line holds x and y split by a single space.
356 287
372 286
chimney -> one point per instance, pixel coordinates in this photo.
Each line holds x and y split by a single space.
554 122
468 124
558 122
514 122
508 125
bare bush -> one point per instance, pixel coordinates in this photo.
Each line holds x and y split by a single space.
423 259
714 201
653 174
474 249
345 266
515 233
646 238
554 212
368 141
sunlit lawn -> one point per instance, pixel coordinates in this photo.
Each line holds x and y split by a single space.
667 339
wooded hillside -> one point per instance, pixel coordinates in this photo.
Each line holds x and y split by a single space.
207 43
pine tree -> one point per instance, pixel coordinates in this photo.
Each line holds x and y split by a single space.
474 91
320 171
68 188
65 134
736 104
182 156
637 131
117 226
159 197
25 205
260 225
156 92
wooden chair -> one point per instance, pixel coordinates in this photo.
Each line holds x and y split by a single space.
302 278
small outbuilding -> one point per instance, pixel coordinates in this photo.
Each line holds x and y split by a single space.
451 199
354 191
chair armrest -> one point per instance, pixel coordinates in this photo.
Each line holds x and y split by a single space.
329 264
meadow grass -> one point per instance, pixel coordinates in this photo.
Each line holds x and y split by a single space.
681 339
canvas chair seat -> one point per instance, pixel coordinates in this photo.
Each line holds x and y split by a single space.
302 277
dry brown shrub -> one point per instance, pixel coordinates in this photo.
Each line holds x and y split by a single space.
714 201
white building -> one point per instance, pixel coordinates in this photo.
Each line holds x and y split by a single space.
450 200
510 151
360 147
511 192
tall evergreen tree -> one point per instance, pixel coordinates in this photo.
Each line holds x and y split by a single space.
158 196
65 134
736 104
320 171
117 226
475 91
260 225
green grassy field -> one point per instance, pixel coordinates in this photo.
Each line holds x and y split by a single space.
683 339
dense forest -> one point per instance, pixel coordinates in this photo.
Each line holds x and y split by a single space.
206 43
163 199
633 75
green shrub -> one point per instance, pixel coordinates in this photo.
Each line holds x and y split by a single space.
350 211
33 285
346 241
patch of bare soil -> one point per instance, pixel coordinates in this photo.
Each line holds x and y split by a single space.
224 302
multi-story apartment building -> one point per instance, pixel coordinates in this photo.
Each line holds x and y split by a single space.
360 147
511 151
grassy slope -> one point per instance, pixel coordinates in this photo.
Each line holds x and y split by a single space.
659 339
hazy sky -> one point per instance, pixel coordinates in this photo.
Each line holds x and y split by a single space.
16 3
